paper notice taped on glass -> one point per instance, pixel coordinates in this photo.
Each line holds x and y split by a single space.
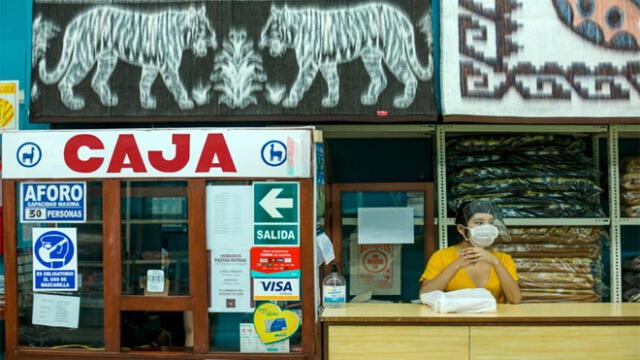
155 280
325 250
229 210
374 267
250 341
385 225
56 310
231 281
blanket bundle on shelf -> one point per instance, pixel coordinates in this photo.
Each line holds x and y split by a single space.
630 186
556 264
525 175
631 280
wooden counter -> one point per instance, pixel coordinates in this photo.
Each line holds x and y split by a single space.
519 332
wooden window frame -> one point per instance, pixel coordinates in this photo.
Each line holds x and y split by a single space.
198 299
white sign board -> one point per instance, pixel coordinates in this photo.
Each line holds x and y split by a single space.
254 153
230 281
56 310
229 238
9 105
385 225
229 210
55 259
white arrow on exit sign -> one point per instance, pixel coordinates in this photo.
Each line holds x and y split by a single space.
270 203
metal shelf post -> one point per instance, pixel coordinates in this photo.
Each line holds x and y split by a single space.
441 184
614 212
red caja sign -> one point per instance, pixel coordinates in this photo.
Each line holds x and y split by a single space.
255 153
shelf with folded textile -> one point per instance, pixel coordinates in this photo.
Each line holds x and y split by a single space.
546 183
628 156
626 204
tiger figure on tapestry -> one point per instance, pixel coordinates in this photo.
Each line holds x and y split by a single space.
324 38
153 41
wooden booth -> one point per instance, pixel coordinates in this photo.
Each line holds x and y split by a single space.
525 331
150 244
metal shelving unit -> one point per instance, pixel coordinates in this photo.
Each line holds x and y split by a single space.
550 221
629 221
523 129
615 133
595 132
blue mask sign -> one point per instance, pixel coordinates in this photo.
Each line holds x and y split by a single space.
55 259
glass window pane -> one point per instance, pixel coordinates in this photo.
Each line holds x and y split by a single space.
234 332
229 219
89 333
155 238
391 271
156 330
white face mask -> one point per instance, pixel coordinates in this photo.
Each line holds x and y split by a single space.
483 235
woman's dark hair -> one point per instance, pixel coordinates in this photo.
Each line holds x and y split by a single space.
460 218
467 209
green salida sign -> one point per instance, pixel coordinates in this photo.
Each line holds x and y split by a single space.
276 208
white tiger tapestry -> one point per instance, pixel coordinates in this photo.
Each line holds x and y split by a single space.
210 60
538 59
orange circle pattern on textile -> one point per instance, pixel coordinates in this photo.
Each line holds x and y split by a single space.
6 112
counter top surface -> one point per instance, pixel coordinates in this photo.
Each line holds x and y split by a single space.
506 313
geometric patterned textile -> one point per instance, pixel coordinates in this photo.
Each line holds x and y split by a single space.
541 58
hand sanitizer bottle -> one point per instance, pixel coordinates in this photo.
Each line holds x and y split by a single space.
334 289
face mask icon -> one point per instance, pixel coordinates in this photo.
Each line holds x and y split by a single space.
55 250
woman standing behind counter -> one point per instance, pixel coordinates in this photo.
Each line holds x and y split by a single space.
468 264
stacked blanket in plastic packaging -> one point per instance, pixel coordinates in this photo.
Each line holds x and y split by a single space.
630 186
556 264
525 175
631 280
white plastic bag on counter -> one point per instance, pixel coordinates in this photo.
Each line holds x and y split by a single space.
465 300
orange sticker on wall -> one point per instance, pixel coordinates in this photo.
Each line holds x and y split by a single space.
9 105
7 112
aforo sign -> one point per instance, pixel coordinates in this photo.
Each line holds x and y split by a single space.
155 153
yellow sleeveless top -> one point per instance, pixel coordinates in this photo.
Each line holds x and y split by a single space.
461 280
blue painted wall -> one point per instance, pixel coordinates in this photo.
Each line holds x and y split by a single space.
15 64
15 50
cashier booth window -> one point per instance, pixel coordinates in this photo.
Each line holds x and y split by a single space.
382 245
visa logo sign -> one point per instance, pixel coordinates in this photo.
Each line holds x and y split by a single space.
276 286
276 289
